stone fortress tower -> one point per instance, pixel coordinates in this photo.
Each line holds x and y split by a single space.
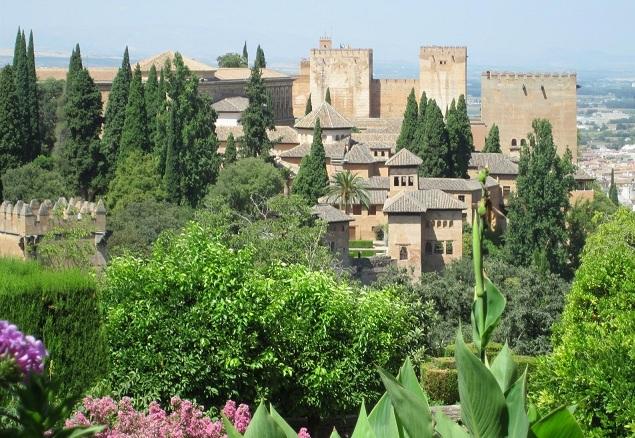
443 73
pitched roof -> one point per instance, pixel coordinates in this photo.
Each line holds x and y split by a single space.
236 104
359 154
332 150
328 116
330 214
377 182
404 158
581 175
242 73
282 134
159 61
454 184
497 163
375 197
420 201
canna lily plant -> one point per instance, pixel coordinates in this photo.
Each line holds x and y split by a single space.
492 395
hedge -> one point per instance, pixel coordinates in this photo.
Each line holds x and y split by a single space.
61 309
440 380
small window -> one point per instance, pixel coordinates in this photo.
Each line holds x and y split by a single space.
451 223
403 253
439 224
357 209
523 142
428 248
375 153
438 247
372 210
514 143
410 181
383 153
445 224
449 247
462 198
396 181
403 181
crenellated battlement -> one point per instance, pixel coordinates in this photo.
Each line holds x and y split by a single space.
36 219
340 52
526 75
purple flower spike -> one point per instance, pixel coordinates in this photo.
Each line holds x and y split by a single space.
27 352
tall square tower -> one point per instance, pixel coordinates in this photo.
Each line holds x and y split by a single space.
443 74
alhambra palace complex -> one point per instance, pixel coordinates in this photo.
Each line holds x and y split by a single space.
418 222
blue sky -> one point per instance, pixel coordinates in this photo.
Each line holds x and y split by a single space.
536 34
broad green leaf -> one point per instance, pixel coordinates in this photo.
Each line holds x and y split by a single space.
230 430
484 324
334 434
288 430
515 398
408 379
411 410
84 431
263 425
532 414
504 368
383 420
363 428
560 423
483 406
448 428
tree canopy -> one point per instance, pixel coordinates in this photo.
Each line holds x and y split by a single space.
312 180
435 145
492 141
135 133
409 125
257 118
231 60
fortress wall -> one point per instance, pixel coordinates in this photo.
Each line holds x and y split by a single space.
301 89
389 96
514 100
348 74
479 133
443 74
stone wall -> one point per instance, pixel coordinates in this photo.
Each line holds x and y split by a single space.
301 89
479 134
441 226
443 74
405 230
367 270
389 96
514 100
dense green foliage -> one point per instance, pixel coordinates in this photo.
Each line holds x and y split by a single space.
50 92
592 362
537 211
435 143
61 308
38 179
135 134
231 154
153 102
137 225
245 54
312 180
492 141
348 189
420 131
409 125
460 143
260 61
197 320
11 136
613 189
257 118
245 185
231 60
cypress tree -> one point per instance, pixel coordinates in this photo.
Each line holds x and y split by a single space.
257 118
465 145
22 89
613 189
245 54
34 104
260 58
453 140
151 91
327 98
313 180
16 49
74 65
409 124
308 108
135 129
435 146
492 141
115 115
536 231
230 150
419 134
171 177
11 139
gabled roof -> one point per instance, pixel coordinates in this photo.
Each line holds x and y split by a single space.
236 104
497 163
375 197
328 116
359 154
242 73
377 182
159 61
454 184
581 175
404 158
330 214
420 201
331 150
282 134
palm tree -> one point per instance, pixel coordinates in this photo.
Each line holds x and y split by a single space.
348 189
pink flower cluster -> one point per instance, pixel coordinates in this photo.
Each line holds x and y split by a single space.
185 420
239 416
27 352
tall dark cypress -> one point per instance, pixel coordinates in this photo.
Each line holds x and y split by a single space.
151 91
22 87
260 61
466 141
313 180
492 141
116 109
230 154
171 176
135 129
420 131
245 54
435 143
327 97
16 49
409 124
34 105
74 65
257 118
10 132
613 189
309 107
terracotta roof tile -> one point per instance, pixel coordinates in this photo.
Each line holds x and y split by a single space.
420 201
329 118
404 158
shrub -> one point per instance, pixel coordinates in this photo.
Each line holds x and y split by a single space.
59 307
38 179
197 320
593 362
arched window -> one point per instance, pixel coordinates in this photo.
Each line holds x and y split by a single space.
403 253
514 143
523 142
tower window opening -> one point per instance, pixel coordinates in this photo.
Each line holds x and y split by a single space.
403 253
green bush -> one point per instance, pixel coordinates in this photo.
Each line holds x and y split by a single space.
61 308
593 360
360 244
198 320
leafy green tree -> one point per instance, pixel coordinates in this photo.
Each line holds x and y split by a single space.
537 212
135 133
313 180
492 142
257 118
245 54
50 93
613 189
11 134
151 92
38 179
435 147
231 60
260 58
137 225
327 98
409 124
348 189
35 134
592 361
136 180
230 155
246 184
308 108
